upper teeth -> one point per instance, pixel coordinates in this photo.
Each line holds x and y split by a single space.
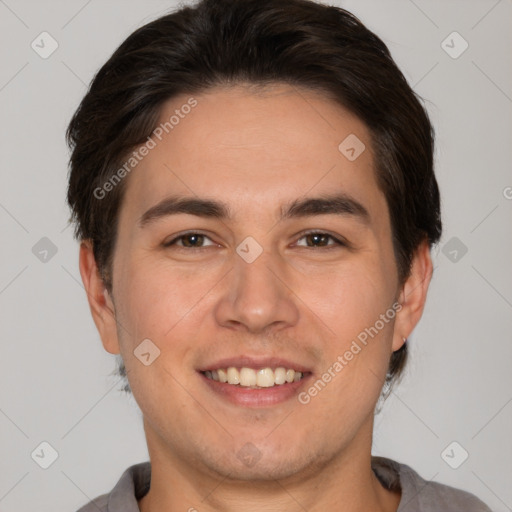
248 377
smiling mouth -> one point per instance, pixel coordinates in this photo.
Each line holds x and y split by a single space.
255 379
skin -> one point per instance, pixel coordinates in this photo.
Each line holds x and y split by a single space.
302 300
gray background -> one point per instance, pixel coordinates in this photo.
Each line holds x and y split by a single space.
56 381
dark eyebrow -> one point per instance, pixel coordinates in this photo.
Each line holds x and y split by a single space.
339 204
189 205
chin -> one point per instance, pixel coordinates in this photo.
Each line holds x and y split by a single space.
266 464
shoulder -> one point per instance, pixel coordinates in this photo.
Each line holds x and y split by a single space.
133 485
425 495
97 505
420 495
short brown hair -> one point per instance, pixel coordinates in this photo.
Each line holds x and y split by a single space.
260 42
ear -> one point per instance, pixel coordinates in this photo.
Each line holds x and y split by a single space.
413 295
100 302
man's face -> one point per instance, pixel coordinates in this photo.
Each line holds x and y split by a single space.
211 300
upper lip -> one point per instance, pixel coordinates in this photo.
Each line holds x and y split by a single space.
256 363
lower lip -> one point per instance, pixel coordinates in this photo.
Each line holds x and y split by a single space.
249 397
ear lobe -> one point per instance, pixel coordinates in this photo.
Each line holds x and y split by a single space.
413 295
100 303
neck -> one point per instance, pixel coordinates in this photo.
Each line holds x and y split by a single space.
346 483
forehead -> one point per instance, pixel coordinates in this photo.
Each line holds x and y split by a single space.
254 146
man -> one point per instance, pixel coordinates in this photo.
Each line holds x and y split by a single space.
252 184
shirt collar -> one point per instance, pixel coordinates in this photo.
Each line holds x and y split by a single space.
135 481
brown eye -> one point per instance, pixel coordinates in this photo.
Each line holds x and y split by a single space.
319 239
190 240
193 240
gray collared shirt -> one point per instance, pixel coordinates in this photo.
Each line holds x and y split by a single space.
418 495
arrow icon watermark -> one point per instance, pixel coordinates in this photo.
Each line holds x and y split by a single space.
146 352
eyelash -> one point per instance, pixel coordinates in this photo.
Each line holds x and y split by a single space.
337 241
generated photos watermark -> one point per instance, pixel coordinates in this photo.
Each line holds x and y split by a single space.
144 150
355 348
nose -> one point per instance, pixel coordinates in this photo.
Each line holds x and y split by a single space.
256 296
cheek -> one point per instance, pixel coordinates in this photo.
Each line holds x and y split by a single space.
157 295
357 306
349 300
157 302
